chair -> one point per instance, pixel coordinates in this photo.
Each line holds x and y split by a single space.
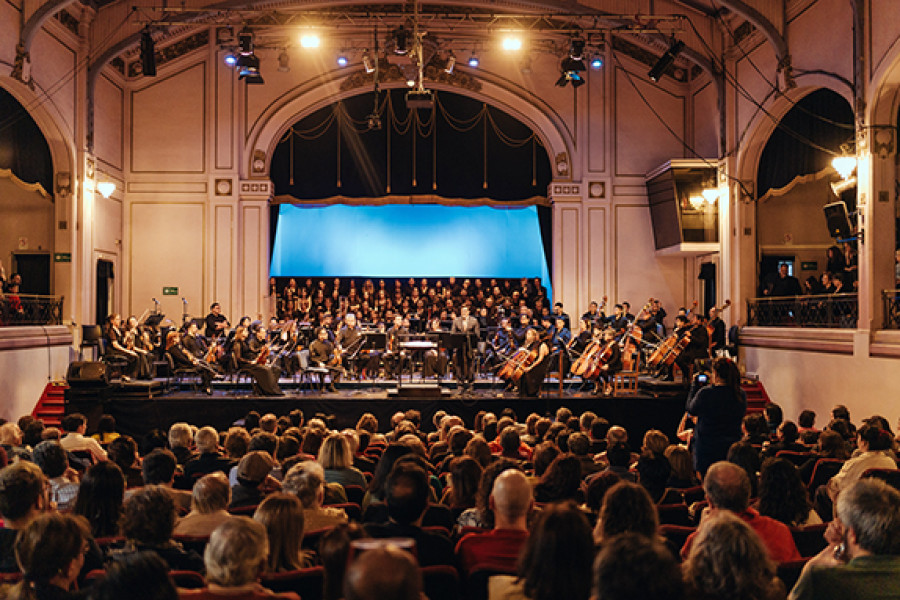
889 476
306 372
825 469
476 582
810 539
115 362
437 529
353 510
693 494
90 338
247 511
625 383
190 580
355 493
438 515
197 543
10 577
311 538
441 582
789 572
674 514
672 496
307 583
177 375
676 535
797 458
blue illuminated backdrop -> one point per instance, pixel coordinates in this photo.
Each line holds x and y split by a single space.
408 240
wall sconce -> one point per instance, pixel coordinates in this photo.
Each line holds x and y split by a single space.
844 165
63 184
106 188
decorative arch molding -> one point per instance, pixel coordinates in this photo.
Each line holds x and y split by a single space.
271 125
883 102
761 126
48 119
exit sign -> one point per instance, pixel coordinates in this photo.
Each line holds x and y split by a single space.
170 291
62 257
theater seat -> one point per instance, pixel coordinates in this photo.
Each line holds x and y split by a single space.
674 514
889 476
476 583
307 583
676 536
441 582
810 539
789 572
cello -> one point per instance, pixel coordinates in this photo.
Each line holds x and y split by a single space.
584 362
513 369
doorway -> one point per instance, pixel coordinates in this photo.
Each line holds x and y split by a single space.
104 295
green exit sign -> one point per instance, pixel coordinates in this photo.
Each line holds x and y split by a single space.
809 266
170 291
62 257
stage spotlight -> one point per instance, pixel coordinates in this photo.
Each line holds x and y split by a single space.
512 43
451 62
148 54
248 69
230 58
596 62
310 40
342 60
368 62
284 61
665 61
576 49
570 76
473 61
401 41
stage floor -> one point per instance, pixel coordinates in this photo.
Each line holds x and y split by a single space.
142 406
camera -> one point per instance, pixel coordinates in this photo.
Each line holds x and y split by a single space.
702 378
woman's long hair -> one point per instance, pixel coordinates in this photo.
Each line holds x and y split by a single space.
782 494
728 374
282 516
100 498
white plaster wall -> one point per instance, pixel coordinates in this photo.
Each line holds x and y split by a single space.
53 67
807 380
109 122
33 369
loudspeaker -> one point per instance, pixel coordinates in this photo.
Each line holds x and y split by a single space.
838 221
87 373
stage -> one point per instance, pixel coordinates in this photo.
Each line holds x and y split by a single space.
141 406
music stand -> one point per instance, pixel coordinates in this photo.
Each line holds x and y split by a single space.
154 320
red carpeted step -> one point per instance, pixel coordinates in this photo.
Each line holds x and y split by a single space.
52 405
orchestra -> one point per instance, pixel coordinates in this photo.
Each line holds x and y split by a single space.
479 328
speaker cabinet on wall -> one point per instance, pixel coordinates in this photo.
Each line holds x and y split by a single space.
838 221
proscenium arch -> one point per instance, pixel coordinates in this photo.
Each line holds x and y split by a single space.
270 128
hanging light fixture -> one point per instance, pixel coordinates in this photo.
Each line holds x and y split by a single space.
665 61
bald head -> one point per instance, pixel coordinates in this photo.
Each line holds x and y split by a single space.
727 486
511 499
385 573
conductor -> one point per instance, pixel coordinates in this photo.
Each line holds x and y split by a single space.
464 357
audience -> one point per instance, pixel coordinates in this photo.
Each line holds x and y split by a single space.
385 573
484 479
75 426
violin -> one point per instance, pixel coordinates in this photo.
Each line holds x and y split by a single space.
263 355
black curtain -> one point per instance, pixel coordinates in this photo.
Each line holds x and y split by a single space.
823 118
23 148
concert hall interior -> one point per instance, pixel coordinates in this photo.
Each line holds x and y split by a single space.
739 155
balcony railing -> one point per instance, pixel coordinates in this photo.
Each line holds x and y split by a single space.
825 310
21 309
891 300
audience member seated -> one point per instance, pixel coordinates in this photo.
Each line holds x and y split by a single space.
482 515
783 496
562 481
306 481
511 502
462 492
653 467
556 561
52 460
334 552
75 425
386 573
106 430
618 458
806 427
235 557
180 440
627 508
23 497
728 560
252 472
50 552
830 444
282 516
683 474
375 489
11 442
727 488
337 461
786 438
148 523
631 566
615 435
873 444
746 457
124 452
209 502
580 446
158 468
406 497
862 560
100 498
544 454
142 576
208 459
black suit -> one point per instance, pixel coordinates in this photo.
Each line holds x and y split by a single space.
465 354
